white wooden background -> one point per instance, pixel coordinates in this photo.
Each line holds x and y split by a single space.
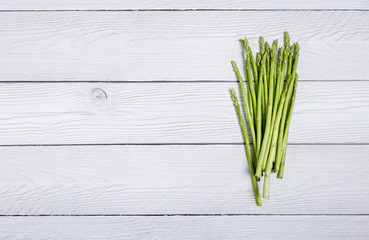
116 121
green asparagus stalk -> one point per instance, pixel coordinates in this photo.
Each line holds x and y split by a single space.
260 109
269 103
280 80
282 153
268 169
268 128
289 90
247 105
250 81
274 66
267 50
253 64
262 45
265 78
290 60
278 89
248 150
285 136
261 85
295 59
258 63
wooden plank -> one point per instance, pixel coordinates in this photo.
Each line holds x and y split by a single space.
212 179
89 113
177 4
179 227
170 46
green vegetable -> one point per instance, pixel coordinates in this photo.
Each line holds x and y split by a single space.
248 150
247 105
269 104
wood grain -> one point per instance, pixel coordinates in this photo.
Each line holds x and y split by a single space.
211 179
178 227
178 4
172 46
104 113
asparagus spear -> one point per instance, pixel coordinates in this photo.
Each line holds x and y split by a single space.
280 80
253 63
269 166
296 58
262 45
286 53
258 63
289 90
248 150
268 128
285 135
247 105
291 75
273 77
267 50
282 153
265 79
260 111
250 81
290 58
262 73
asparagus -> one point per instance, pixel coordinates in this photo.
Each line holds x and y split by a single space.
250 81
265 79
258 63
268 128
247 105
253 63
260 110
268 169
267 50
269 104
280 162
296 59
289 90
280 80
285 135
262 45
248 150
290 58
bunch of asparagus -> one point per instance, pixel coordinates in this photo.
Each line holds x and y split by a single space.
269 101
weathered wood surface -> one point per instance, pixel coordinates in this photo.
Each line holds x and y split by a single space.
172 46
185 57
179 4
179 227
105 113
214 179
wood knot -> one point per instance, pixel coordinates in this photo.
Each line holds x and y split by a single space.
98 94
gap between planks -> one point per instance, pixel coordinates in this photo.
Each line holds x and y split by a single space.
191 10
178 215
175 81
170 144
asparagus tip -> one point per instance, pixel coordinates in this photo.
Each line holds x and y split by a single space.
258 58
280 54
234 95
286 39
267 47
262 41
292 49
297 48
263 59
234 64
262 45
275 44
246 42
